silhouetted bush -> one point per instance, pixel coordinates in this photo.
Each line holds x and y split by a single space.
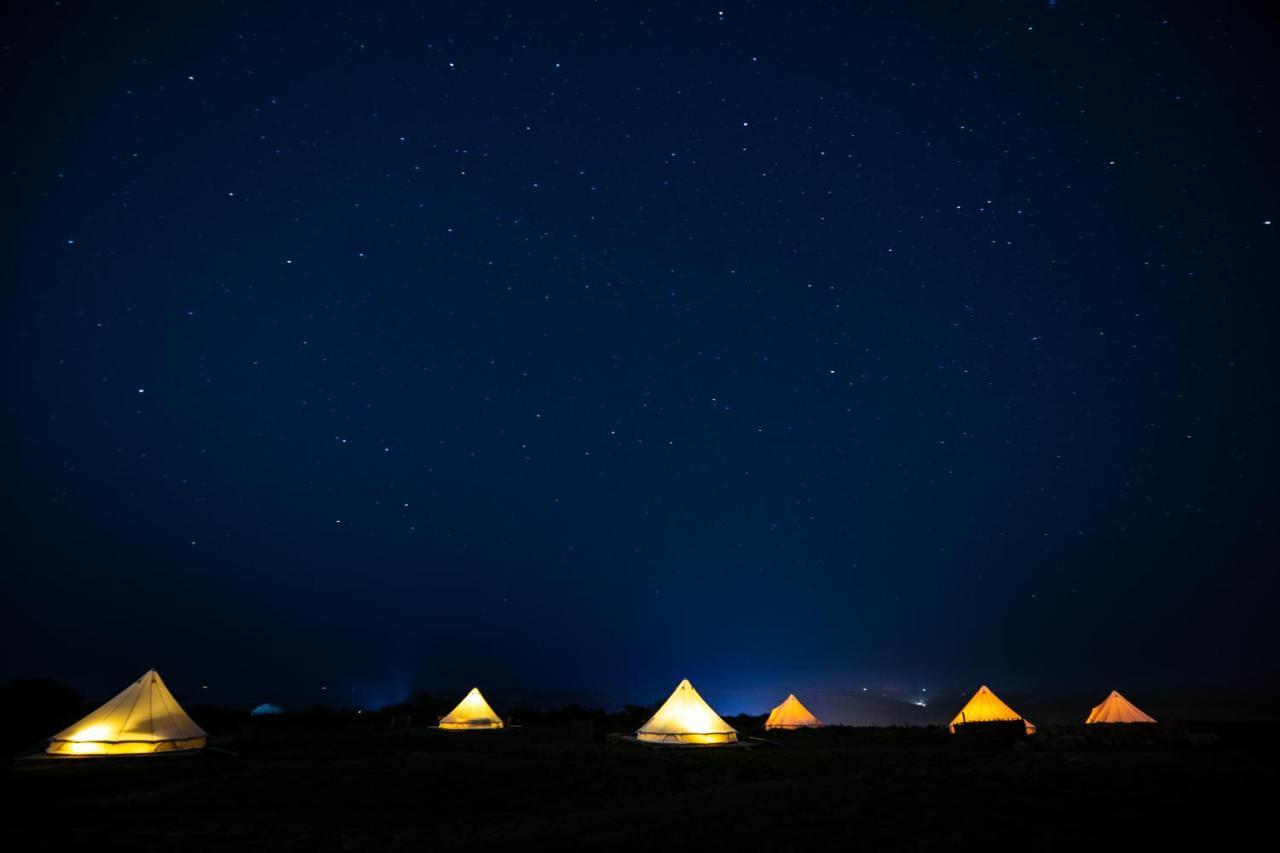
35 709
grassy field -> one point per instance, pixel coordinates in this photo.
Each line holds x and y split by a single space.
355 785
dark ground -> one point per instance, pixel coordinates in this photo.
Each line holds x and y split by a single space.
334 782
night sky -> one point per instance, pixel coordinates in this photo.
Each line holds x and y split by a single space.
594 346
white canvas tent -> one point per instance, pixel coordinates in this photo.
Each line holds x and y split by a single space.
685 719
142 719
986 707
1117 709
791 714
473 713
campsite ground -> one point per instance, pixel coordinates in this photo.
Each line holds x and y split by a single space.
354 784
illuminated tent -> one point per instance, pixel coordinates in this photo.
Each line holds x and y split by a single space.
266 709
143 719
792 715
1117 709
472 713
685 719
986 707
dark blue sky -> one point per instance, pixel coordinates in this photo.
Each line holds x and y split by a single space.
762 344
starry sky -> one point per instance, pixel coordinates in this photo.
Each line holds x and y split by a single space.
602 345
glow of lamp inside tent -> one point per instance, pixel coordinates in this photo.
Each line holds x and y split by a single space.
86 741
700 738
96 732
695 721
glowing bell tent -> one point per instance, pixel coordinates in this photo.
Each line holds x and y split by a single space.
685 719
791 714
986 707
472 714
143 719
1117 709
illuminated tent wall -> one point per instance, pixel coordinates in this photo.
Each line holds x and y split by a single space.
472 713
143 719
792 715
685 719
986 707
1117 709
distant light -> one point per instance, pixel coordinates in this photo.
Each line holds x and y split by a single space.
142 390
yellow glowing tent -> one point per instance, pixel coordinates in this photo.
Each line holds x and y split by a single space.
792 715
1117 709
472 713
685 719
143 719
986 707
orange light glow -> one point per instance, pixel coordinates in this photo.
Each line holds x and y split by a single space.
986 707
472 713
791 714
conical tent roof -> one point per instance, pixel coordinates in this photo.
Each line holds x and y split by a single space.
143 718
792 715
472 713
685 719
986 707
1117 709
